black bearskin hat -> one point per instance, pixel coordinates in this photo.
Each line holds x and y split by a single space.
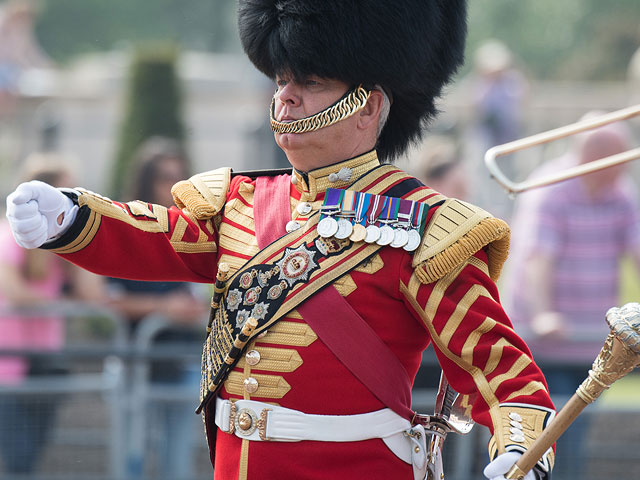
409 47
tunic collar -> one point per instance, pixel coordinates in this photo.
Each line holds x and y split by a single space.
338 175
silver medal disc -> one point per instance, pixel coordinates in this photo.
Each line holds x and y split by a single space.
386 235
344 229
413 242
327 227
373 234
400 238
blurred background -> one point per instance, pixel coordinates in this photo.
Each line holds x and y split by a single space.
98 377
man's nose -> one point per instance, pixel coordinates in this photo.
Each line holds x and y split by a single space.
289 95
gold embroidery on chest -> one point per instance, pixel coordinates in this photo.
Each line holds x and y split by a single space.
271 359
345 285
234 239
235 263
294 334
263 386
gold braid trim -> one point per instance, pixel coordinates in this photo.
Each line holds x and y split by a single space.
349 105
489 231
521 424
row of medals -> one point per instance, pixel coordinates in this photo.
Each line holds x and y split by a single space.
394 233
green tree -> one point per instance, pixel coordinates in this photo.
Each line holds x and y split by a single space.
153 107
70 27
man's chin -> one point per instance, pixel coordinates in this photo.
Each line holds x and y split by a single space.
288 141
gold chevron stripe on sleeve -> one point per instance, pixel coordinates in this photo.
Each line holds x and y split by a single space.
495 355
518 366
474 337
528 390
469 298
427 314
179 230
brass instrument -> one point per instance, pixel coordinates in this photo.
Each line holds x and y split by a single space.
555 134
619 356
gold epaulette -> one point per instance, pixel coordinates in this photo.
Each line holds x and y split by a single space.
456 232
204 194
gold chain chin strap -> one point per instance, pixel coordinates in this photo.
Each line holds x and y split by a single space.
349 105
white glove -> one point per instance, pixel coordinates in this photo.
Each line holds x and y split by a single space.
502 464
33 211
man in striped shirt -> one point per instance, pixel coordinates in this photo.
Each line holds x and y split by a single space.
568 242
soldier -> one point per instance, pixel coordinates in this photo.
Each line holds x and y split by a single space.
342 271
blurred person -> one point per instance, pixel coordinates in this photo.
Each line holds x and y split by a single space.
33 279
19 49
498 93
568 242
440 167
160 163
354 86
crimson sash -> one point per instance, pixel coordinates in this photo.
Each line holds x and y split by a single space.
368 358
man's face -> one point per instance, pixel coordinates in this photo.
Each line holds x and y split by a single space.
299 99
601 144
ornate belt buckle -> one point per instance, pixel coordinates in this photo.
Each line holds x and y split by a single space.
246 422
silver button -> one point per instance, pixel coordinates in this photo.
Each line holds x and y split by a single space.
515 424
252 357
333 177
303 208
515 416
292 226
515 431
516 438
250 385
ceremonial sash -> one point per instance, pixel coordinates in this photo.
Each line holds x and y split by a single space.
275 281
345 333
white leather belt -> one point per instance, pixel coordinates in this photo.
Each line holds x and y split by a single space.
258 421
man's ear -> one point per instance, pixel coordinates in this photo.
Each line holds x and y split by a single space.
370 114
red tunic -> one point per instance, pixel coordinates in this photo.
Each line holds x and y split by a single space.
459 314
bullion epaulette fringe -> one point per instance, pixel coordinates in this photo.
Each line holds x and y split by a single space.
457 231
204 194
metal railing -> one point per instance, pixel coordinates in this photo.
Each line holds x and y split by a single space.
107 423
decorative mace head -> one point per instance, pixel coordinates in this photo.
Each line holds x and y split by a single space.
619 355
625 325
